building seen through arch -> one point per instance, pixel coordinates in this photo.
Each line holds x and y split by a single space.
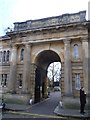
28 50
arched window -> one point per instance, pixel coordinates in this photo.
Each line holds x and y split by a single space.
76 52
22 55
8 53
4 56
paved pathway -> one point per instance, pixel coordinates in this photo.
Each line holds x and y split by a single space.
47 109
47 106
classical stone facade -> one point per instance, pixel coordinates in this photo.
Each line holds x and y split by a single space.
27 51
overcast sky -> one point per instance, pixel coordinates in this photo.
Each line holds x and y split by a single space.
21 10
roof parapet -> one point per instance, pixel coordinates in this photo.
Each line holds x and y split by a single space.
50 21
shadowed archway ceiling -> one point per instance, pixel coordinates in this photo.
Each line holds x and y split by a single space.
46 57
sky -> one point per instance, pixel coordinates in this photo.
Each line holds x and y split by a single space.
12 11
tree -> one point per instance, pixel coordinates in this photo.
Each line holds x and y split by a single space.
54 72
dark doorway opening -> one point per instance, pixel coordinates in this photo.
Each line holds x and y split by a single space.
39 84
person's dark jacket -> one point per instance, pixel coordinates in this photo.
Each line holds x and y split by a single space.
82 97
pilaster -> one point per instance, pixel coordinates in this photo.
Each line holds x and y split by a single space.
67 68
27 69
85 62
13 70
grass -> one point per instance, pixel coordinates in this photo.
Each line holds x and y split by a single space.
14 101
72 106
76 106
18 101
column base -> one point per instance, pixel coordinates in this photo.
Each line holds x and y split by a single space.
71 102
12 91
68 95
25 92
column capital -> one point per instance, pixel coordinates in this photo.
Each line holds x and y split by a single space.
67 41
28 44
84 39
14 46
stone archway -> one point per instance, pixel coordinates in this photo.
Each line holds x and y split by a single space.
42 61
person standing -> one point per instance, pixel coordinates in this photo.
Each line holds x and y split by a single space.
82 100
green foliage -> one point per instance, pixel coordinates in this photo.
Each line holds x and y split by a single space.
14 101
76 106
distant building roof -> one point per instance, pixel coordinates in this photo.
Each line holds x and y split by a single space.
6 37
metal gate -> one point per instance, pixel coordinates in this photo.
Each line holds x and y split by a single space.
37 85
40 75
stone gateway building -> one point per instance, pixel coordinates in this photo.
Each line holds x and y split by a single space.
27 51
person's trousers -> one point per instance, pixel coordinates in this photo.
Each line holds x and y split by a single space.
82 106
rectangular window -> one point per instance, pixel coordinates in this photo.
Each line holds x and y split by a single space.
0 56
77 81
0 80
20 80
4 56
4 80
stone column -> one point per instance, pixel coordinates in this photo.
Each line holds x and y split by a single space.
67 68
0 78
85 62
27 69
89 63
13 70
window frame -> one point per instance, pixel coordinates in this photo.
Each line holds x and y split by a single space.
0 56
8 55
20 76
4 80
77 81
4 56
76 51
22 54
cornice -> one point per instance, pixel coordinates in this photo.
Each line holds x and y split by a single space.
23 33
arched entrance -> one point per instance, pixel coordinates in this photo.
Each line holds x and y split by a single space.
43 60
